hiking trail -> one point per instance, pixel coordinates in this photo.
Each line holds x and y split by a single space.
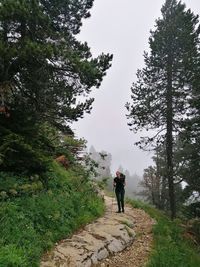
114 240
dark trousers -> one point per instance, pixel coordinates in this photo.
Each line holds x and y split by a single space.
120 199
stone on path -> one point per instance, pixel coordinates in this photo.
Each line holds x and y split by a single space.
107 235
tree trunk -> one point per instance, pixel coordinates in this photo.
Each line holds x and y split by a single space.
158 179
169 139
164 194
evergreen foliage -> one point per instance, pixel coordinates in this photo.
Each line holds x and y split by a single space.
43 67
189 153
154 184
44 70
160 97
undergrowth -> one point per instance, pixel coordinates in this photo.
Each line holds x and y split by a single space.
32 223
171 248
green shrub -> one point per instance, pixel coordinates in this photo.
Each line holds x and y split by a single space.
12 186
171 249
12 256
21 155
32 223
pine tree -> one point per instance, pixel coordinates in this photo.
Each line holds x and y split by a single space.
46 74
160 95
191 140
43 68
151 184
154 183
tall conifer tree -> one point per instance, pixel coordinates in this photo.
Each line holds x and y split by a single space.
43 67
46 75
160 95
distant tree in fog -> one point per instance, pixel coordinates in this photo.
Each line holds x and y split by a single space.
103 159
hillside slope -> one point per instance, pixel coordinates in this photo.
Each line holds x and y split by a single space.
32 221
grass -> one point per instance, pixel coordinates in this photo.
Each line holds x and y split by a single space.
170 249
31 224
127 223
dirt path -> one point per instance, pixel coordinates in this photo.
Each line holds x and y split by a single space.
114 240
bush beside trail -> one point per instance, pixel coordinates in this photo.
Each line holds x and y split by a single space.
171 244
33 222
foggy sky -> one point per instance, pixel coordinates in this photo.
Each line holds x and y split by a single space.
122 28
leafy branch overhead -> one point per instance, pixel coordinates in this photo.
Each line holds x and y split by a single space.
44 64
46 77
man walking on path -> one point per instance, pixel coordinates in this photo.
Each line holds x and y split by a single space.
119 183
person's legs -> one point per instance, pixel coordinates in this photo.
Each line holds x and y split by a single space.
122 193
118 199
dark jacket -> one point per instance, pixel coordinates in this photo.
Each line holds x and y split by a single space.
119 183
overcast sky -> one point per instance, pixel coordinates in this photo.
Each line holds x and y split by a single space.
119 27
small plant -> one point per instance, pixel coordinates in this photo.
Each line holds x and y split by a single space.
12 256
128 231
170 246
128 223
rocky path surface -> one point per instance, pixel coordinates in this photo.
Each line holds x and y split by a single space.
114 240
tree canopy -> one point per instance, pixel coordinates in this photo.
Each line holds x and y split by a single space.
46 74
43 68
161 95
